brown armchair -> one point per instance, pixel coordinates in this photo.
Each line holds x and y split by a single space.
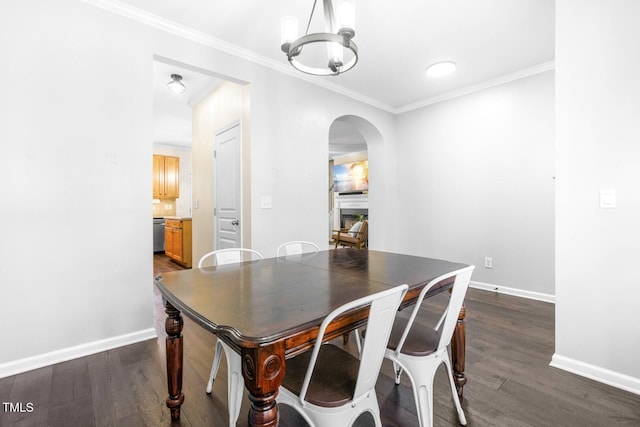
345 238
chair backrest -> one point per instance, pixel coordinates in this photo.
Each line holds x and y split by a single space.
364 231
382 313
296 247
447 322
229 256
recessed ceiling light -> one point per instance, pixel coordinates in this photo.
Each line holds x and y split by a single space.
441 69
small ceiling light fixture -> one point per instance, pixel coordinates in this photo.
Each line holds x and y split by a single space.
441 69
176 84
335 43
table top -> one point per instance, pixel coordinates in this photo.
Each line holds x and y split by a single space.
264 301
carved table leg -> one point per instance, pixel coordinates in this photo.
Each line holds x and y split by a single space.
458 351
173 326
263 369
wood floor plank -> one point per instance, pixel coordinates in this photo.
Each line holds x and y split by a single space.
71 397
33 387
104 377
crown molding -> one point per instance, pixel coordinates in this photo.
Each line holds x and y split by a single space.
179 30
526 72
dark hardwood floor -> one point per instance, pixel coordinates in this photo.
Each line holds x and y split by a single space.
162 263
510 342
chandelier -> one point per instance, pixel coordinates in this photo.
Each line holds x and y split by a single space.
323 54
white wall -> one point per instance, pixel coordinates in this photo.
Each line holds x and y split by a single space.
475 179
76 259
598 93
290 121
75 132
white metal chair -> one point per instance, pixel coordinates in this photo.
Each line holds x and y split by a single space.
330 387
229 256
235 383
419 350
296 247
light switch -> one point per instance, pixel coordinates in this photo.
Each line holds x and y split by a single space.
265 202
608 199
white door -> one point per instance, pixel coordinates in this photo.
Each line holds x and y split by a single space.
227 184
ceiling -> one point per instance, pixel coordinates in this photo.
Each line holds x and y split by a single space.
397 40
172 111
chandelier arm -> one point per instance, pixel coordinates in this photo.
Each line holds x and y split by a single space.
313 9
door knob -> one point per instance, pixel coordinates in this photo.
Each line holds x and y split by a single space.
235 222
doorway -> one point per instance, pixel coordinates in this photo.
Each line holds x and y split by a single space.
189 122
348 174
356 143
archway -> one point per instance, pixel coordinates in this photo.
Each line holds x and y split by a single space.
355 144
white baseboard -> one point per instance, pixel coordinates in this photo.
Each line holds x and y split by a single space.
596 373
46 359
513 291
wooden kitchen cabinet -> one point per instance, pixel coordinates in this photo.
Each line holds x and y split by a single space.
177 240
166 173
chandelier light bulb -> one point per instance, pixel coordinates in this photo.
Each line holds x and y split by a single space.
288 31
346 18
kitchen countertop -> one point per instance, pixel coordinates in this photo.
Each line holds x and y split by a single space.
179 218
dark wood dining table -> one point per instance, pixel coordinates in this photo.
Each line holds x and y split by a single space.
270 310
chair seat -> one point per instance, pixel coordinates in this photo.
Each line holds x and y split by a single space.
334 376
420 341
344 237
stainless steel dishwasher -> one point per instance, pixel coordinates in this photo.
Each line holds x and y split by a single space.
158 235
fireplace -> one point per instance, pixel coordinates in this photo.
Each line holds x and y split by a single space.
348 216
347 207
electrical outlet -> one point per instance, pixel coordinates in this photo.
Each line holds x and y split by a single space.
488 262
